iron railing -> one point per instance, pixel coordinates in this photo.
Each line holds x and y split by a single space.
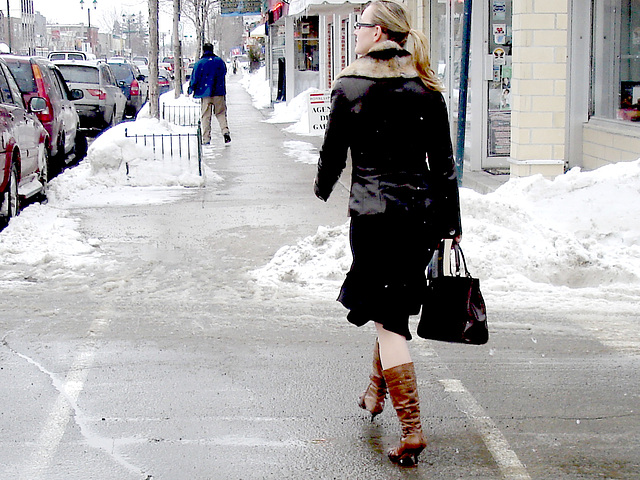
171 145
184 115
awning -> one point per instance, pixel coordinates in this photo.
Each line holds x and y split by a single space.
323 6
259 31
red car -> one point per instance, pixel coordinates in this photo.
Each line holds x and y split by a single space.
37 77
23 147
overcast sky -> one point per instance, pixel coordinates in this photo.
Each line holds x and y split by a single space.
69 11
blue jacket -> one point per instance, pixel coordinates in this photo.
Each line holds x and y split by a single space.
208 77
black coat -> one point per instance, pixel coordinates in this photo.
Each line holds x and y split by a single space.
398 133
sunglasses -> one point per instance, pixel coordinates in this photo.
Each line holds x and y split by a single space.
359 25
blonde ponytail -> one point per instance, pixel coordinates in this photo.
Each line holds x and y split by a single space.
422 60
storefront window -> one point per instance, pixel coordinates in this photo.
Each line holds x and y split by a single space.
307 44
616 67
630 61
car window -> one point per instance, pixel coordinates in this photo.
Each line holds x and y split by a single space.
121 71
52 86
57 56
5 91
61 85
75 56
107 76
23 74
79 74
16 97
52 89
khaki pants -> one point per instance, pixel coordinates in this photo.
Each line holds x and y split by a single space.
219 107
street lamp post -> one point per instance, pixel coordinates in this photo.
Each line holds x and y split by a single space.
95 6
128 19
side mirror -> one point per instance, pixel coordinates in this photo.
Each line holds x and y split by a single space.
141 78
122 83
76 94
37 104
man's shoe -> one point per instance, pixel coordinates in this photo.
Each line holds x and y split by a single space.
227 138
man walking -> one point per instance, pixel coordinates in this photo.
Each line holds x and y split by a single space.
208 84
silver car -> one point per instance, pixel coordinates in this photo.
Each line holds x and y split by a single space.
104 103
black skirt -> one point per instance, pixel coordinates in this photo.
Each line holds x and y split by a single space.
387 277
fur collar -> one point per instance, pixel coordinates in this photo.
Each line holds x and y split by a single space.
385 60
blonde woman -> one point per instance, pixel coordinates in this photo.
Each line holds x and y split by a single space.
387 108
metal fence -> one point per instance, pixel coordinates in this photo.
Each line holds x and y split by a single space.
184 115
172 146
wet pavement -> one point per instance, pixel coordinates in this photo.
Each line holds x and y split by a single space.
168 361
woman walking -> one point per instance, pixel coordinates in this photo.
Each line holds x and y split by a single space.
387 108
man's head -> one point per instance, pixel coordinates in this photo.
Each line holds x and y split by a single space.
207 48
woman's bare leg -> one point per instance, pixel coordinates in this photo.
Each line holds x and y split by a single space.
394 349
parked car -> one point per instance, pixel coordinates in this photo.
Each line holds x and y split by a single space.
37 77
103 103
23 149
70 55
132 83
189 70
164 78
168 63
140 61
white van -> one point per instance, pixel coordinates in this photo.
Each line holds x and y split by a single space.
70 55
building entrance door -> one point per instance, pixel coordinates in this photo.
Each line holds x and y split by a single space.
488 123
497 118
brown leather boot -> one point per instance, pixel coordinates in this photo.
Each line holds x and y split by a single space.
372 399
403 389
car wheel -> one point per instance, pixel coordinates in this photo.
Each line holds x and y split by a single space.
10 205
81 146
44 159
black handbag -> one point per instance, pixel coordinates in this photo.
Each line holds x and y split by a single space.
453 309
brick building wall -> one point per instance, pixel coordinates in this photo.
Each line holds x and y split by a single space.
539 83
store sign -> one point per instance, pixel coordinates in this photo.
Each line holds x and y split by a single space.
231 8
319 108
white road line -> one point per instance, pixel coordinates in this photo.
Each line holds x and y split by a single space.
65 406
507 460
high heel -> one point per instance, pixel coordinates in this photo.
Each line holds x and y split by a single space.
403 390
373 397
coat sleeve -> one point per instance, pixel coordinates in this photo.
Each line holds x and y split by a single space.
333 153
443 171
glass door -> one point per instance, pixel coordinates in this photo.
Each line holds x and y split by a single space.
498 118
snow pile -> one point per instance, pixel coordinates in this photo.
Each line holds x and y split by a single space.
534 243
257 84
295 112
318 262
43 240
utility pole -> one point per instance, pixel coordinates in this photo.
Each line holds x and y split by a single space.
154 47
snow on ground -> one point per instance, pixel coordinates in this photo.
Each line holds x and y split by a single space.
571 244
44 240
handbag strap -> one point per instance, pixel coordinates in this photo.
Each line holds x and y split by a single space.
458 254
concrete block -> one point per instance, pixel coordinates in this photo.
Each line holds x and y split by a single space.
526 168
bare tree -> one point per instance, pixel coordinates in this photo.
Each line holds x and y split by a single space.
154 47
198 11
177 49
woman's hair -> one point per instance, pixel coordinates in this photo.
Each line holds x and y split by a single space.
394 20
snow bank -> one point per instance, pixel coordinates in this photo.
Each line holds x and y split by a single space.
538 244
44 241
257 84
295 111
